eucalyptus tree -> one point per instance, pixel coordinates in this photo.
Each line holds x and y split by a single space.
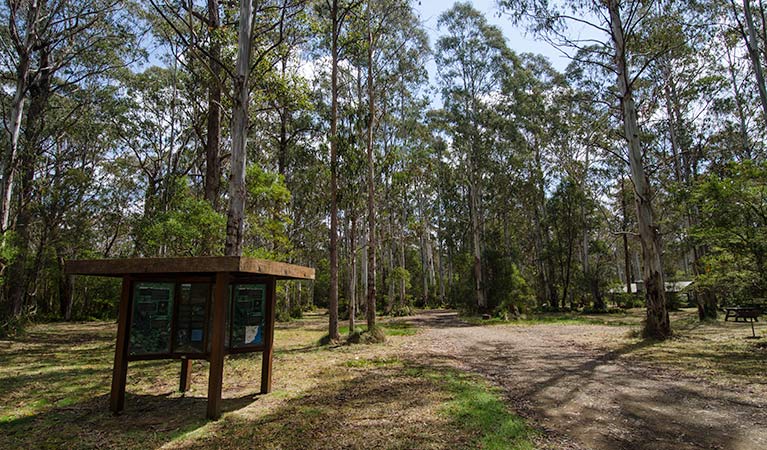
51 48
260 32
621 24
470 56
393 33
746 26
334 16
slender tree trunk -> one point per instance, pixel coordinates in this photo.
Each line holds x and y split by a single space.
8 169
236 216
213 142
352 274
39 94
333 300
371 298
740 108
65 284
8 161
401 254
592 274
626 254
753 52
657 323
546 266
479 290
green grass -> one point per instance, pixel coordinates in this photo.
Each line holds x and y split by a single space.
556 319
478 409
391 329
55 387
375 362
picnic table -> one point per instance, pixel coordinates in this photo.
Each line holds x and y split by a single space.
743 313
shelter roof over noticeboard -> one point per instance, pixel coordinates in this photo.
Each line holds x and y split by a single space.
191 265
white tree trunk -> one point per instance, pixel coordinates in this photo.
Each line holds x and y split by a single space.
479 289
236 216
657 324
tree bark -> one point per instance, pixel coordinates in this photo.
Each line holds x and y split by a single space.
333 245
371 297
479 290
236 217
24 49
753 52
657 324
39 94
626 255
352 274
213 142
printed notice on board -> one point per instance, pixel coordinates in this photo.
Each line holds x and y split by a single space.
253 334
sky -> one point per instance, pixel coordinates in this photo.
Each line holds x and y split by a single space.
517 39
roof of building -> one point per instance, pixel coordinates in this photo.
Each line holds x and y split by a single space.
188 265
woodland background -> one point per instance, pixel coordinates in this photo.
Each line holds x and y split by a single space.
517 193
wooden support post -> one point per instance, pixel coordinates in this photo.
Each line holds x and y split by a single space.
185 381
215 379
266 358
120 368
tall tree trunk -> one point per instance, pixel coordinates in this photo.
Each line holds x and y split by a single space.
65 283
592 275
479 289
371 298
213 142
401 254
23 73
626 254
352 274
657 323
39 94
333 300
753 52
236 217
740 108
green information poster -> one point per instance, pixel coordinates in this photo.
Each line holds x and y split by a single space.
190 322
151 319
248 311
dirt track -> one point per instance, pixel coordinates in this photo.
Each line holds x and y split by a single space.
589 398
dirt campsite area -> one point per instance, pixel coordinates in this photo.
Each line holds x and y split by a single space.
440 381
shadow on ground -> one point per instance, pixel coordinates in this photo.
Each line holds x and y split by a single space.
148 421
603 400
387 406
435 319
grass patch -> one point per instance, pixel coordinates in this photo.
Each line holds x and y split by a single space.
479 411
554 319
56 381
390 328
374 362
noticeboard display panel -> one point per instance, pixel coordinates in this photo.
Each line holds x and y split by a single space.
191 318
151 318
247 313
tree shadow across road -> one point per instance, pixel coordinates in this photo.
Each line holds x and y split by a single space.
601 399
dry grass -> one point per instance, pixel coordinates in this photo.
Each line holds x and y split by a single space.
719 351
55 384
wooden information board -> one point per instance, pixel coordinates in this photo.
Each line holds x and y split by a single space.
154 320
193 308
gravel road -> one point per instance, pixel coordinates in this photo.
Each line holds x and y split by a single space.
589 398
